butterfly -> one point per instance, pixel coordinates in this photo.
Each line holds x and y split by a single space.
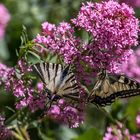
108 87
59 81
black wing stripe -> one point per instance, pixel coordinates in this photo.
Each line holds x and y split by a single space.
110 99
71 78
53 65
126 80
72 97
131 83
71 87
56 70
38 70
64 73
48 72
137 85
76 87
128 93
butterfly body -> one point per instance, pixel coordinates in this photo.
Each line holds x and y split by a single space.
109 87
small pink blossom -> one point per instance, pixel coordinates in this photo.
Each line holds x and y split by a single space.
138 120
54 111
47 28
21 104
40 86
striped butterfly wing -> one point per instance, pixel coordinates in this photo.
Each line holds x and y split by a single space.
49 73
69 87
58 80
113 87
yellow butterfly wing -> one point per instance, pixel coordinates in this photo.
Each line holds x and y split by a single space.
111 87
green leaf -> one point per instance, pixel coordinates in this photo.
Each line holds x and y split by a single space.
131 112
24 36
65 133
34 54
10 109
91 134
25 43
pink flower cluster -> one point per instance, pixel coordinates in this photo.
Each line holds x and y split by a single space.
59 40
13 80
114 30
132 67
66 113
119 132
5 133
133 3
20 86
4 19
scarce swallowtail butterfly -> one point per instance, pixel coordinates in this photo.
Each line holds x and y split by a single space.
109 87
59 81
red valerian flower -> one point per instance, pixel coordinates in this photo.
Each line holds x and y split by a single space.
67 113
118 132
114 30
60 40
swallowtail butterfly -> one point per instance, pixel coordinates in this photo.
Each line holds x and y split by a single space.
109 87
59 81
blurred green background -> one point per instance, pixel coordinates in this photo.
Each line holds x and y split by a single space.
32 13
